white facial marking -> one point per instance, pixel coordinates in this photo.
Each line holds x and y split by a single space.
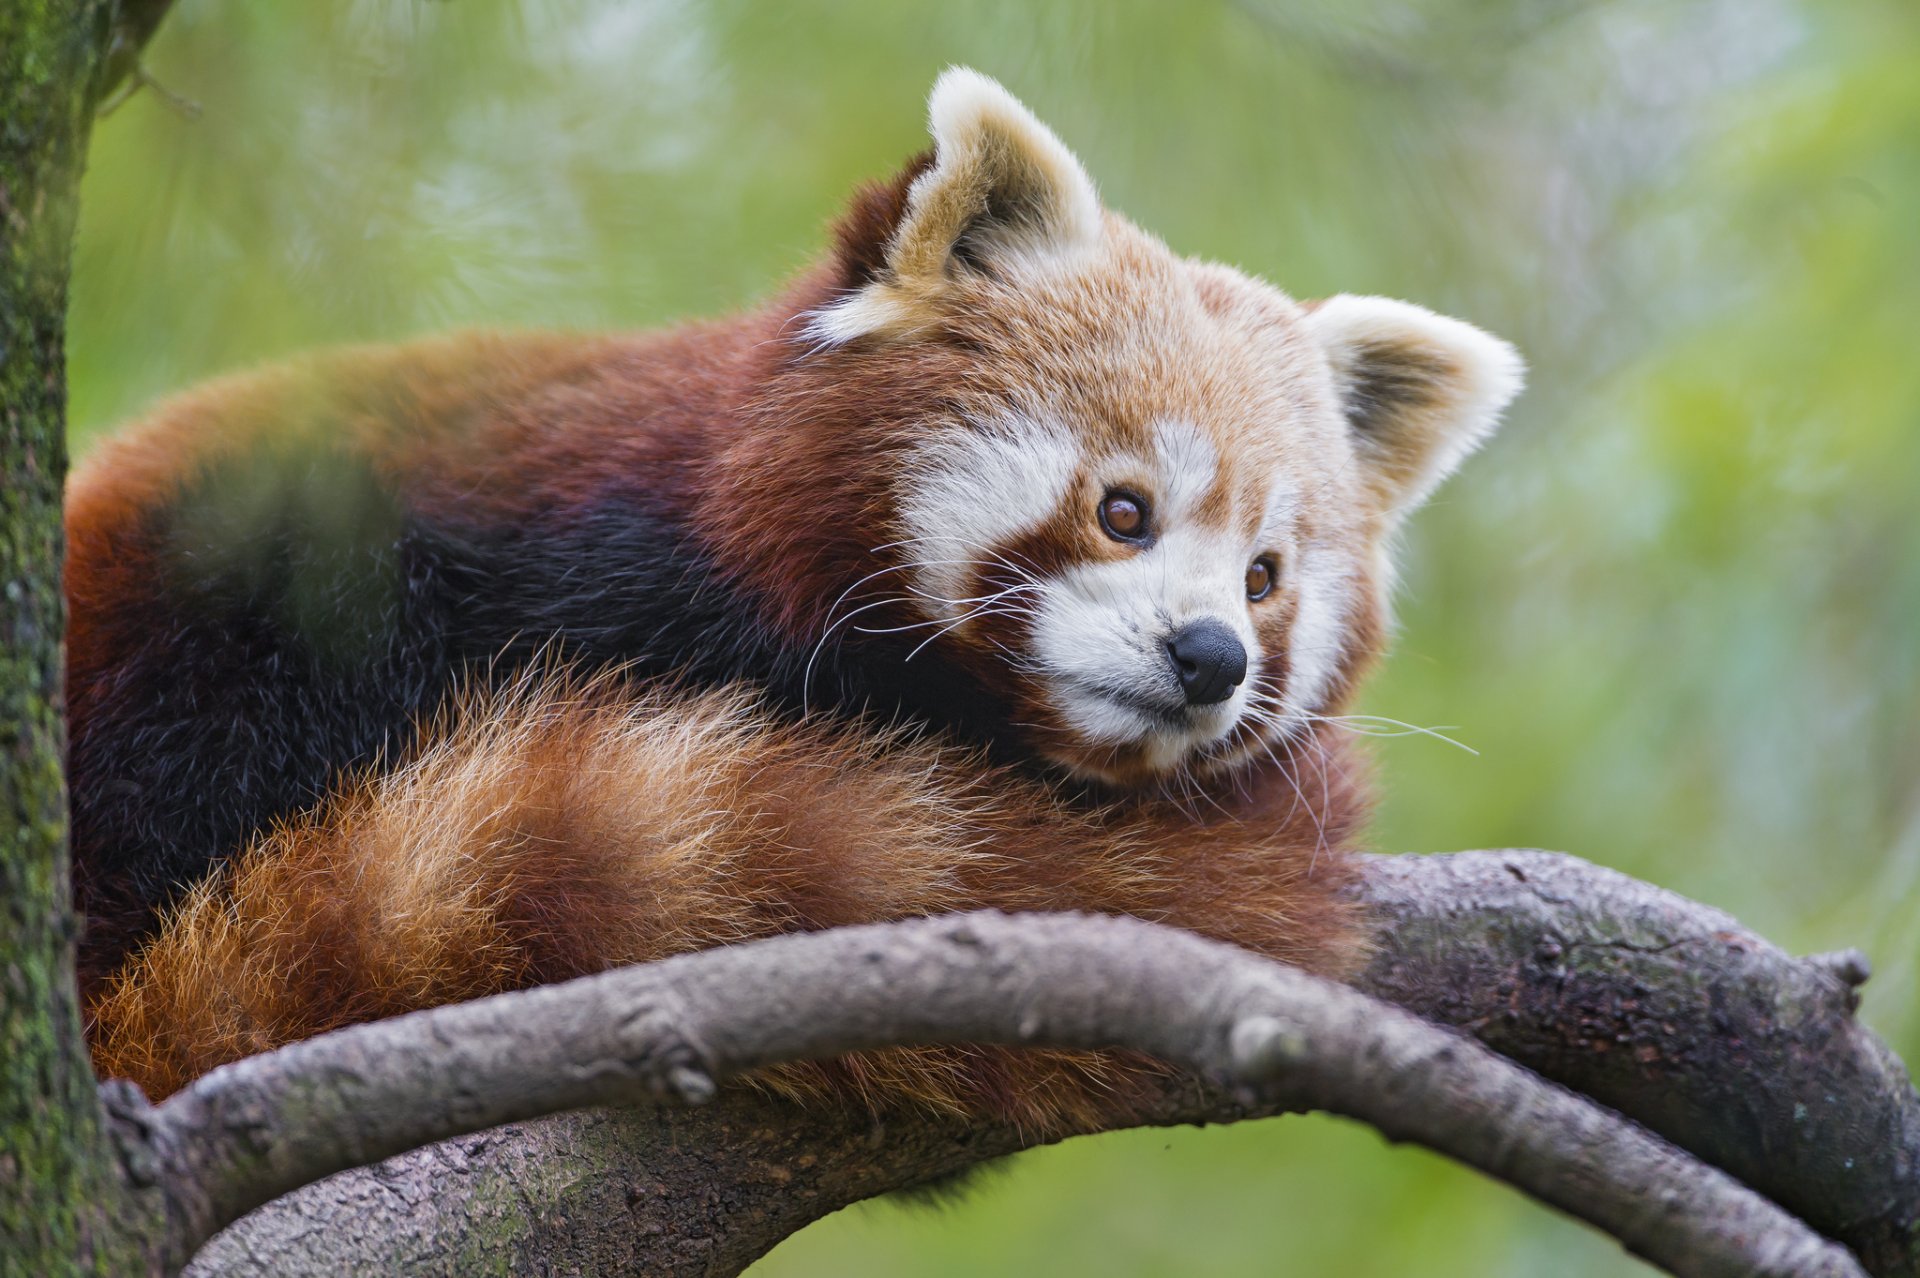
1186 465
1101 634
1101 630
972 488
1324 581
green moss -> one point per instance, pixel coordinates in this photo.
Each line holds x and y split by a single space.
59 1192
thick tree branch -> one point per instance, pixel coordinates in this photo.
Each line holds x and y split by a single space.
708 1190
262 1127
1670 1012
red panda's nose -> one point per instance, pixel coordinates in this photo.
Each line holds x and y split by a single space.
1209 660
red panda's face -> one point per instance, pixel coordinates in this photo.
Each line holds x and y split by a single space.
1152 504
1142 515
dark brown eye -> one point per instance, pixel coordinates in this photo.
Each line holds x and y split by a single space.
1260 575
1124 516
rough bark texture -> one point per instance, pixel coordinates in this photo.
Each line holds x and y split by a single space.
64 1206
53 1166
1287 1040
1670 1012
705 1191
602 1192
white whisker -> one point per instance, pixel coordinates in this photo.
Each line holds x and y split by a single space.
1364 725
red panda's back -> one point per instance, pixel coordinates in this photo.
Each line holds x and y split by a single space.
264 578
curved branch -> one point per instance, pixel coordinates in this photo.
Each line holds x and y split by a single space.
1461 937
1541 955
1672 1013
257 1129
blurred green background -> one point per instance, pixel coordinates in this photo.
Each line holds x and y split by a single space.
1675 607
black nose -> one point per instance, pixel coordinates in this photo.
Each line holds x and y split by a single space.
1209 660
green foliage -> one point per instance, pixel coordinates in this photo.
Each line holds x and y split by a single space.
1675 607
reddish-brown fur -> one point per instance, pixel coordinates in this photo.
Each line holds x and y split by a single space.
302 935
573 821
560 829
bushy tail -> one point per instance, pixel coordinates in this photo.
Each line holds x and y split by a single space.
563 827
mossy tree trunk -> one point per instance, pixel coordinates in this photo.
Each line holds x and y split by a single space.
65 1206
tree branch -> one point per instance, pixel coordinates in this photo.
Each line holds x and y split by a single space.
1672 1013
706 1191
132 24
257 1129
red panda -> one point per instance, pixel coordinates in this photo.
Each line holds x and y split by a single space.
1005 559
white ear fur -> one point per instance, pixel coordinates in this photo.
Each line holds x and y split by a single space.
1002 187
1420 391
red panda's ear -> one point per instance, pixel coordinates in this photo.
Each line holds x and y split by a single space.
998 188
1420 391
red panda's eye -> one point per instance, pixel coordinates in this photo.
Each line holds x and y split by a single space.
1260 575
1124 516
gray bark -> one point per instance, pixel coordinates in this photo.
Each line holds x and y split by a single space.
1673 1013
707 1191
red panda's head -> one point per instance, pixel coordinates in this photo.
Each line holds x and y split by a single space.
1146 499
